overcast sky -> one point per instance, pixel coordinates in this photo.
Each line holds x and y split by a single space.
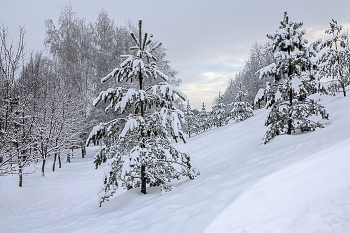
207 41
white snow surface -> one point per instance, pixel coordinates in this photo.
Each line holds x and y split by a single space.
297 183
259 95
296 82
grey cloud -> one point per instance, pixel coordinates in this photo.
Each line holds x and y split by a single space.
200 35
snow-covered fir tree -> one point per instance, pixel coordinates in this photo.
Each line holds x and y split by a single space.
190 121
219 113
139 150
335 62
204 119
291 108
241 110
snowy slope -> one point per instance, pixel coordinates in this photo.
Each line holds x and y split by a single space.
296 183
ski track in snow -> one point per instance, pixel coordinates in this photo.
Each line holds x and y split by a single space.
295 183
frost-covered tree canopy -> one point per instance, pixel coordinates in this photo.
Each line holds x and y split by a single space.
241 92
259 57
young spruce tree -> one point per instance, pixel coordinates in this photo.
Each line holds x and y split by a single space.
218 113
190 121
241 110
291 108
335 62
139 152
204 119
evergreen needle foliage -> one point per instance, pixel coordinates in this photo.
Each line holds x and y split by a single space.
139 151
291 108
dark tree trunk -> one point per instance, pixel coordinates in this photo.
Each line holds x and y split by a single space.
143 179
43 168
54 162
143 167
20 173
290 120
59 161
20 178
83 150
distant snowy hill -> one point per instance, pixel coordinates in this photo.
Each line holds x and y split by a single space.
297 183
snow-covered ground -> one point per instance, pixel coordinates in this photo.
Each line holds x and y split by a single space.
298 183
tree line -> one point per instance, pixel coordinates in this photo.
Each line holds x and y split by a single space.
280 75
331 68
48 103
46 96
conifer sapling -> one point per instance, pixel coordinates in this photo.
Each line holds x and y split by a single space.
291 109
139 151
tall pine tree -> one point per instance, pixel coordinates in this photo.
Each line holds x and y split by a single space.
139 151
